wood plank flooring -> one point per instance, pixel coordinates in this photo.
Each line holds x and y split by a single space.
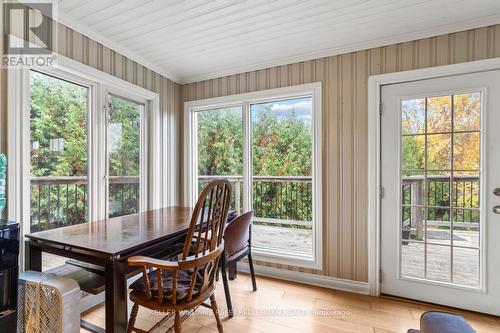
280 306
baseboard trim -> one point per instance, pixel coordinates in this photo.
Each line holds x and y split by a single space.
306 278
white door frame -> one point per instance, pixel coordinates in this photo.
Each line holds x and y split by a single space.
375 191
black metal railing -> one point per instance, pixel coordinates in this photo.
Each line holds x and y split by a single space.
440 201
63 201
283 200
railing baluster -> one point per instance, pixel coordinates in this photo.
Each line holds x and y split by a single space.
39 205
67 205
58 204
85 202
76 200
48 213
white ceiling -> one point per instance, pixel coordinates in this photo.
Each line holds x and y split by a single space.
193 40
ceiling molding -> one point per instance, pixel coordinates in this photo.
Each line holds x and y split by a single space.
365 45
63 18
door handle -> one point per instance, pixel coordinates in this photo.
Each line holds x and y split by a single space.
496 209
497 192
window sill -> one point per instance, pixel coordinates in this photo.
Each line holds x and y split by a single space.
286 258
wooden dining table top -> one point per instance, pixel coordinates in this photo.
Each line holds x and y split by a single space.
118 235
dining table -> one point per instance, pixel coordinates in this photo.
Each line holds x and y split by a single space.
108 243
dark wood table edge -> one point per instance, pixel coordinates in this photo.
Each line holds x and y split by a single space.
132 251
116 312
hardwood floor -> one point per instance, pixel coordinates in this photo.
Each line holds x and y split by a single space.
280 306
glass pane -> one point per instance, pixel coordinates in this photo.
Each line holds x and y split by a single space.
466 267
438 263
282 175
220 149
439 114
413 153
413 116
59 154
439 152
438 188
438 226
466 190
413 224
466 227
124 156
467 112
466 151
413 190
412 260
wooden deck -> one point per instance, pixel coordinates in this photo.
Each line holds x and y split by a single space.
293 240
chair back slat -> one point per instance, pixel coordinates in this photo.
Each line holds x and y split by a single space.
204 243
205 233
208 221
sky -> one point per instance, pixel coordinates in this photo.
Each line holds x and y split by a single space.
301 106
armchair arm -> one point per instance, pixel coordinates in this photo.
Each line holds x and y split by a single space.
196 261
152 263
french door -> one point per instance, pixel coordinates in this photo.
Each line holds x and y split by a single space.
73 175
439 159
124 156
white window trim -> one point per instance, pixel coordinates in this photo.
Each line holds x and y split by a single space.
99 84
375 84
244 100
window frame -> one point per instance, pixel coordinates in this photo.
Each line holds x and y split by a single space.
99 84
245 101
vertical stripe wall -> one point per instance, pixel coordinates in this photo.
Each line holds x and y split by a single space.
344 81
78 47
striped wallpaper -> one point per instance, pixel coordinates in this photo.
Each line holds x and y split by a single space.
344 79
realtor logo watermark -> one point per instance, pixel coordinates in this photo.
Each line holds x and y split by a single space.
28 33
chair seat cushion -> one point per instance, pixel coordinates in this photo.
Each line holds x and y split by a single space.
183 283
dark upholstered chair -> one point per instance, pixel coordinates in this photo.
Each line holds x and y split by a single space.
237 245
442 322
174 286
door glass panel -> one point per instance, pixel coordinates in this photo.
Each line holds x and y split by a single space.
438 263
413 224
124 156
413 259
282 175
59 153
438 114
466 266
413 116
219 135
440 159
58 156
438 226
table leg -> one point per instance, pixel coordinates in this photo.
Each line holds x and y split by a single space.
33 257
116 297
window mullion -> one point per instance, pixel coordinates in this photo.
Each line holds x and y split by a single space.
247 159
